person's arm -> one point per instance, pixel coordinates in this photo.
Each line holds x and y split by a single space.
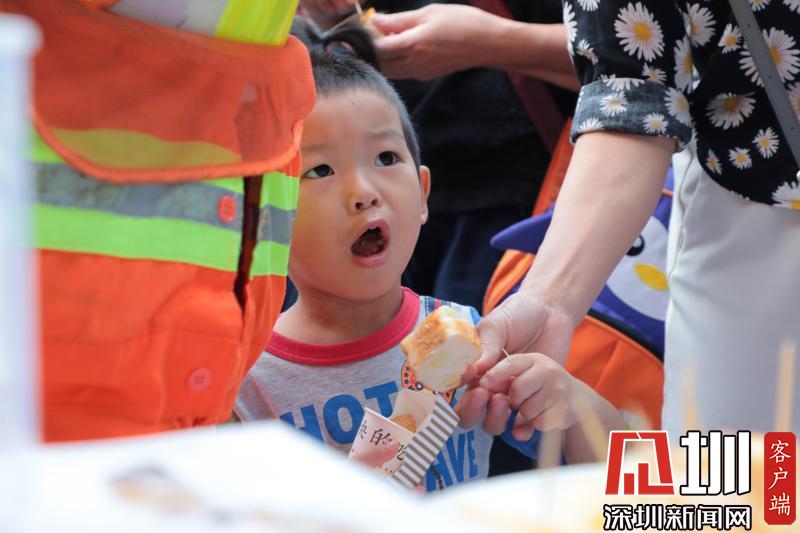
538 50
440 39
630 114
611 189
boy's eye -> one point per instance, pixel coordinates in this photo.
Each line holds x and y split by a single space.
319 171
385 159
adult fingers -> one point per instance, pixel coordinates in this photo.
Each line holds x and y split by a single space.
389 23
398 45
493 333
471 406
497 415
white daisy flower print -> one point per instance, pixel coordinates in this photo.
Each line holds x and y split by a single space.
788 195
766 142
570 24
728 110
678 106
794 5
758 5
585 50
620 84
740 157
730 39
590 124
613 104
589 5
713 162
655 123
701 24
794 97
639 33
784 54
653 74
684 67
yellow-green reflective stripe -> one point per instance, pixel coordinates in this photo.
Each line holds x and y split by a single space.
69 227
76 230
40 152
229 184
97 232
259 22
279 190
269 258
132 149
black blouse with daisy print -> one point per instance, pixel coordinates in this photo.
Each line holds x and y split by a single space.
662 67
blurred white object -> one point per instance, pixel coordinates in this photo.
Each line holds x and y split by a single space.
19 421
199 16
235 478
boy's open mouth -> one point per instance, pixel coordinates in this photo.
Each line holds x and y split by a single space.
371 242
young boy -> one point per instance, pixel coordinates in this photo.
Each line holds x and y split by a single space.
362 201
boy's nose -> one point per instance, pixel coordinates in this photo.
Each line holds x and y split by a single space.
363 196
361 204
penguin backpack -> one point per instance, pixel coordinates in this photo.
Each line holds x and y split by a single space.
618 347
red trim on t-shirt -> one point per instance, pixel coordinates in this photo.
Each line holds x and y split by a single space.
381 341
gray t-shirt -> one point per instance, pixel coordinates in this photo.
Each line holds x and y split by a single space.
323 389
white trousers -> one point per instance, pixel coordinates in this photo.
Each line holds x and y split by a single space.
734 276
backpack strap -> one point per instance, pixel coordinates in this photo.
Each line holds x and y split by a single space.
532 93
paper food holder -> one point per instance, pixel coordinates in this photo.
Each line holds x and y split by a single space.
435 420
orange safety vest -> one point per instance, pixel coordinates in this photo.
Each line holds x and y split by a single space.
161 272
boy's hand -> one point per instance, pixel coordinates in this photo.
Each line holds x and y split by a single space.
523 323
541 390
375 456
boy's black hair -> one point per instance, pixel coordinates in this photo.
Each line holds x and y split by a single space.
337 74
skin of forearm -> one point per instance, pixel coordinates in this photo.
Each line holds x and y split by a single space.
538 50
611 188
577 446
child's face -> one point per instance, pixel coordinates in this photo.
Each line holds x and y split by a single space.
362 201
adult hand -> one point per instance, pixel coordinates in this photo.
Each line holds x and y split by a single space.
433 41
524 323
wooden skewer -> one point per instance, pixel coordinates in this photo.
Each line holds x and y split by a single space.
550 449
358 8
505 353
785 392
592 428
691 419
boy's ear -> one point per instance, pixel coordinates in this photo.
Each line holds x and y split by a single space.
425 187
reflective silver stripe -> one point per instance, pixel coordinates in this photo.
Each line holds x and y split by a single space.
61 186
275 224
